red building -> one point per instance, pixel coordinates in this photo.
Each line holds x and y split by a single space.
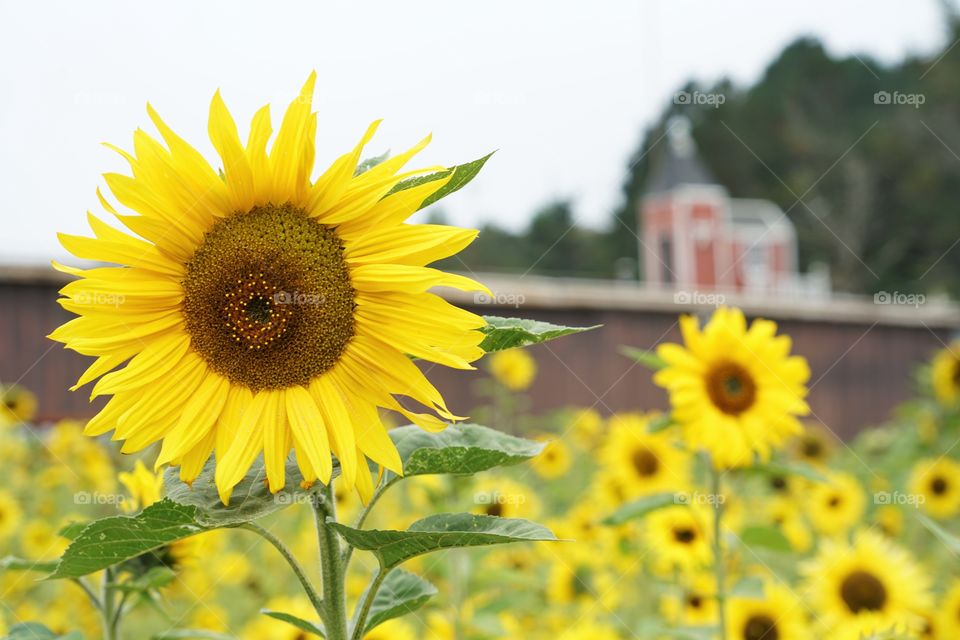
696 238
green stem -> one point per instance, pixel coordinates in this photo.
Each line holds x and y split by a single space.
80 582
363 612
718 565
348 552
106 606
331 565
311 592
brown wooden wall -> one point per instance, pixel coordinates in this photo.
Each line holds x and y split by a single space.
860 371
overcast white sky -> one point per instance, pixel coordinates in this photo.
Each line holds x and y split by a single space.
562 89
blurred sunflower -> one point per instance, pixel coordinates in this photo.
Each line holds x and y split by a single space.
17 405
263 310
505 498
778 615
947 619
40 541
945 373
937 482
143 486
395 629
735 390
814 445
10 514
554 461
696 605
514 368
576 581
678 537
644 462
784 513
871 585
834 506
889 520
585 425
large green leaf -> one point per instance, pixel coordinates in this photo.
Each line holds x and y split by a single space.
251 498
462 174
460 449
109 541
441 531
507 333
401 593
642 506
304 625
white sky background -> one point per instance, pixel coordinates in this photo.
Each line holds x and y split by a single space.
562 89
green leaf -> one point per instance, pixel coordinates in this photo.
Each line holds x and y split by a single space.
36 631
749 587
401 593
462 174
304 625
660 423
370 163
13 563
951 541
643 506
789 469
71 530
765 537
645 357
441 531
507 333
109 541
460 449
251 498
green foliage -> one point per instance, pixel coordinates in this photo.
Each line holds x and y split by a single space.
642 507
401 593
459 449
37 631
315 628
507 333
765 537
645 357
441 531
462 175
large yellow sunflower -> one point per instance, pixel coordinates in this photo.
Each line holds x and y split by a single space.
735 390
868 586
258 309
935 484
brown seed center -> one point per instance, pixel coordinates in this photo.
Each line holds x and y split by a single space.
760 627
645 462
731 387
862 591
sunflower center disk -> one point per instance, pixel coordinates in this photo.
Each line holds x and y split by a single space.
731 388
760 628
684 535
862 591
268 301
645 462
938 486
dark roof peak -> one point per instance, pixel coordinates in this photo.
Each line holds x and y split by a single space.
677 162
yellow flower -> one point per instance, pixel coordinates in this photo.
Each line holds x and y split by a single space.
945 371
735 390
696 605
777 615
144 487
505 498
869 586
936 485
678 538
814 445
40 541
784 513
514 368
554 461
395 629
889 520
644 462
10 514
573 581
260 309
947 619
17 405
585 425
834 506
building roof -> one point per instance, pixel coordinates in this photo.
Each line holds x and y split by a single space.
678 162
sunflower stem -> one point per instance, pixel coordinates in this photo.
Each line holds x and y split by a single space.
363 611
331 565
311 592
110 622
718 560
